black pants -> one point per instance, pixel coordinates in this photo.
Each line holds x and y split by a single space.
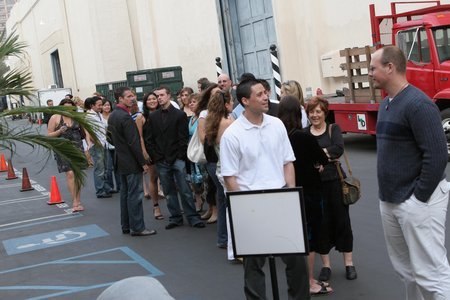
336 228
296 275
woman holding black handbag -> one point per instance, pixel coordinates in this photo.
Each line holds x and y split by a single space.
336 230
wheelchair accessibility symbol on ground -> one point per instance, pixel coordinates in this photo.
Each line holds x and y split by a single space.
52 239
64 237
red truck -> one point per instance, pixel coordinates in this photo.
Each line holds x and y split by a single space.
424 36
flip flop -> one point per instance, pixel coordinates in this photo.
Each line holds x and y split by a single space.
77 208
322 292
322 283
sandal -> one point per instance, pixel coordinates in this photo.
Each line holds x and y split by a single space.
157 217
322 283
77 208
147 196
322 292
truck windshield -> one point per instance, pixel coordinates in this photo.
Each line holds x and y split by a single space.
441 37
414 43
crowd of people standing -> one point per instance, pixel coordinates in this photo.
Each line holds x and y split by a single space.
141 154
250 143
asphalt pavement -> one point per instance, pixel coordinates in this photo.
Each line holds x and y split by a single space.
49 253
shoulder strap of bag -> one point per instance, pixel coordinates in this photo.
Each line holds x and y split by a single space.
345 157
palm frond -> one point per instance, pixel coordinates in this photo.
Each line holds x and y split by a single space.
68 111
16 82
10 45
66 150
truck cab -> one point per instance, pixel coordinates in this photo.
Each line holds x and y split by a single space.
426 45
427 49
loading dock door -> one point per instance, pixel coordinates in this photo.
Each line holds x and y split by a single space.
252 32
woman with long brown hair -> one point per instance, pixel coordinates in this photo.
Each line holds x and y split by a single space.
309 162
206 96
65 127
219 108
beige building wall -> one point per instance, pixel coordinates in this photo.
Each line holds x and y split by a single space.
100 40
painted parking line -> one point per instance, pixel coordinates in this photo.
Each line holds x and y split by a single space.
52 239
37 221
33 220
7 186
24 199
42 194
82 261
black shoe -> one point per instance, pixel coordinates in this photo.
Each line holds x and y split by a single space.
222 246
350 273
325 274
126 231
171 226
144 232
104 196
199 225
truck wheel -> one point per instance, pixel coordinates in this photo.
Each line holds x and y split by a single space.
445 116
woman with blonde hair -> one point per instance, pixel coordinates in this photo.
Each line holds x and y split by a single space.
293 88
196 171
184 100
219 108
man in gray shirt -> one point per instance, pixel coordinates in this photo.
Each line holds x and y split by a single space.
412 156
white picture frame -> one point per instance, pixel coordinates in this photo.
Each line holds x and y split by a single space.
268 222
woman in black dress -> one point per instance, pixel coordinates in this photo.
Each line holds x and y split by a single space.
309 161
65 127
336 230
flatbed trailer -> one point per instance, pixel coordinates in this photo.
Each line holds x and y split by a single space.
424 36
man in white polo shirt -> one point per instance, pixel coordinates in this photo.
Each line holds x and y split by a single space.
255 153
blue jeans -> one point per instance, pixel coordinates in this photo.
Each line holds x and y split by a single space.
131 194
222 237
98 154
168 174
110 172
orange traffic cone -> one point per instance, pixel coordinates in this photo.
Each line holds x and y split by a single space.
55 196
3 166
11 174
26 184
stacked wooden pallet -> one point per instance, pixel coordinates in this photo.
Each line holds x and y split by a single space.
360 87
